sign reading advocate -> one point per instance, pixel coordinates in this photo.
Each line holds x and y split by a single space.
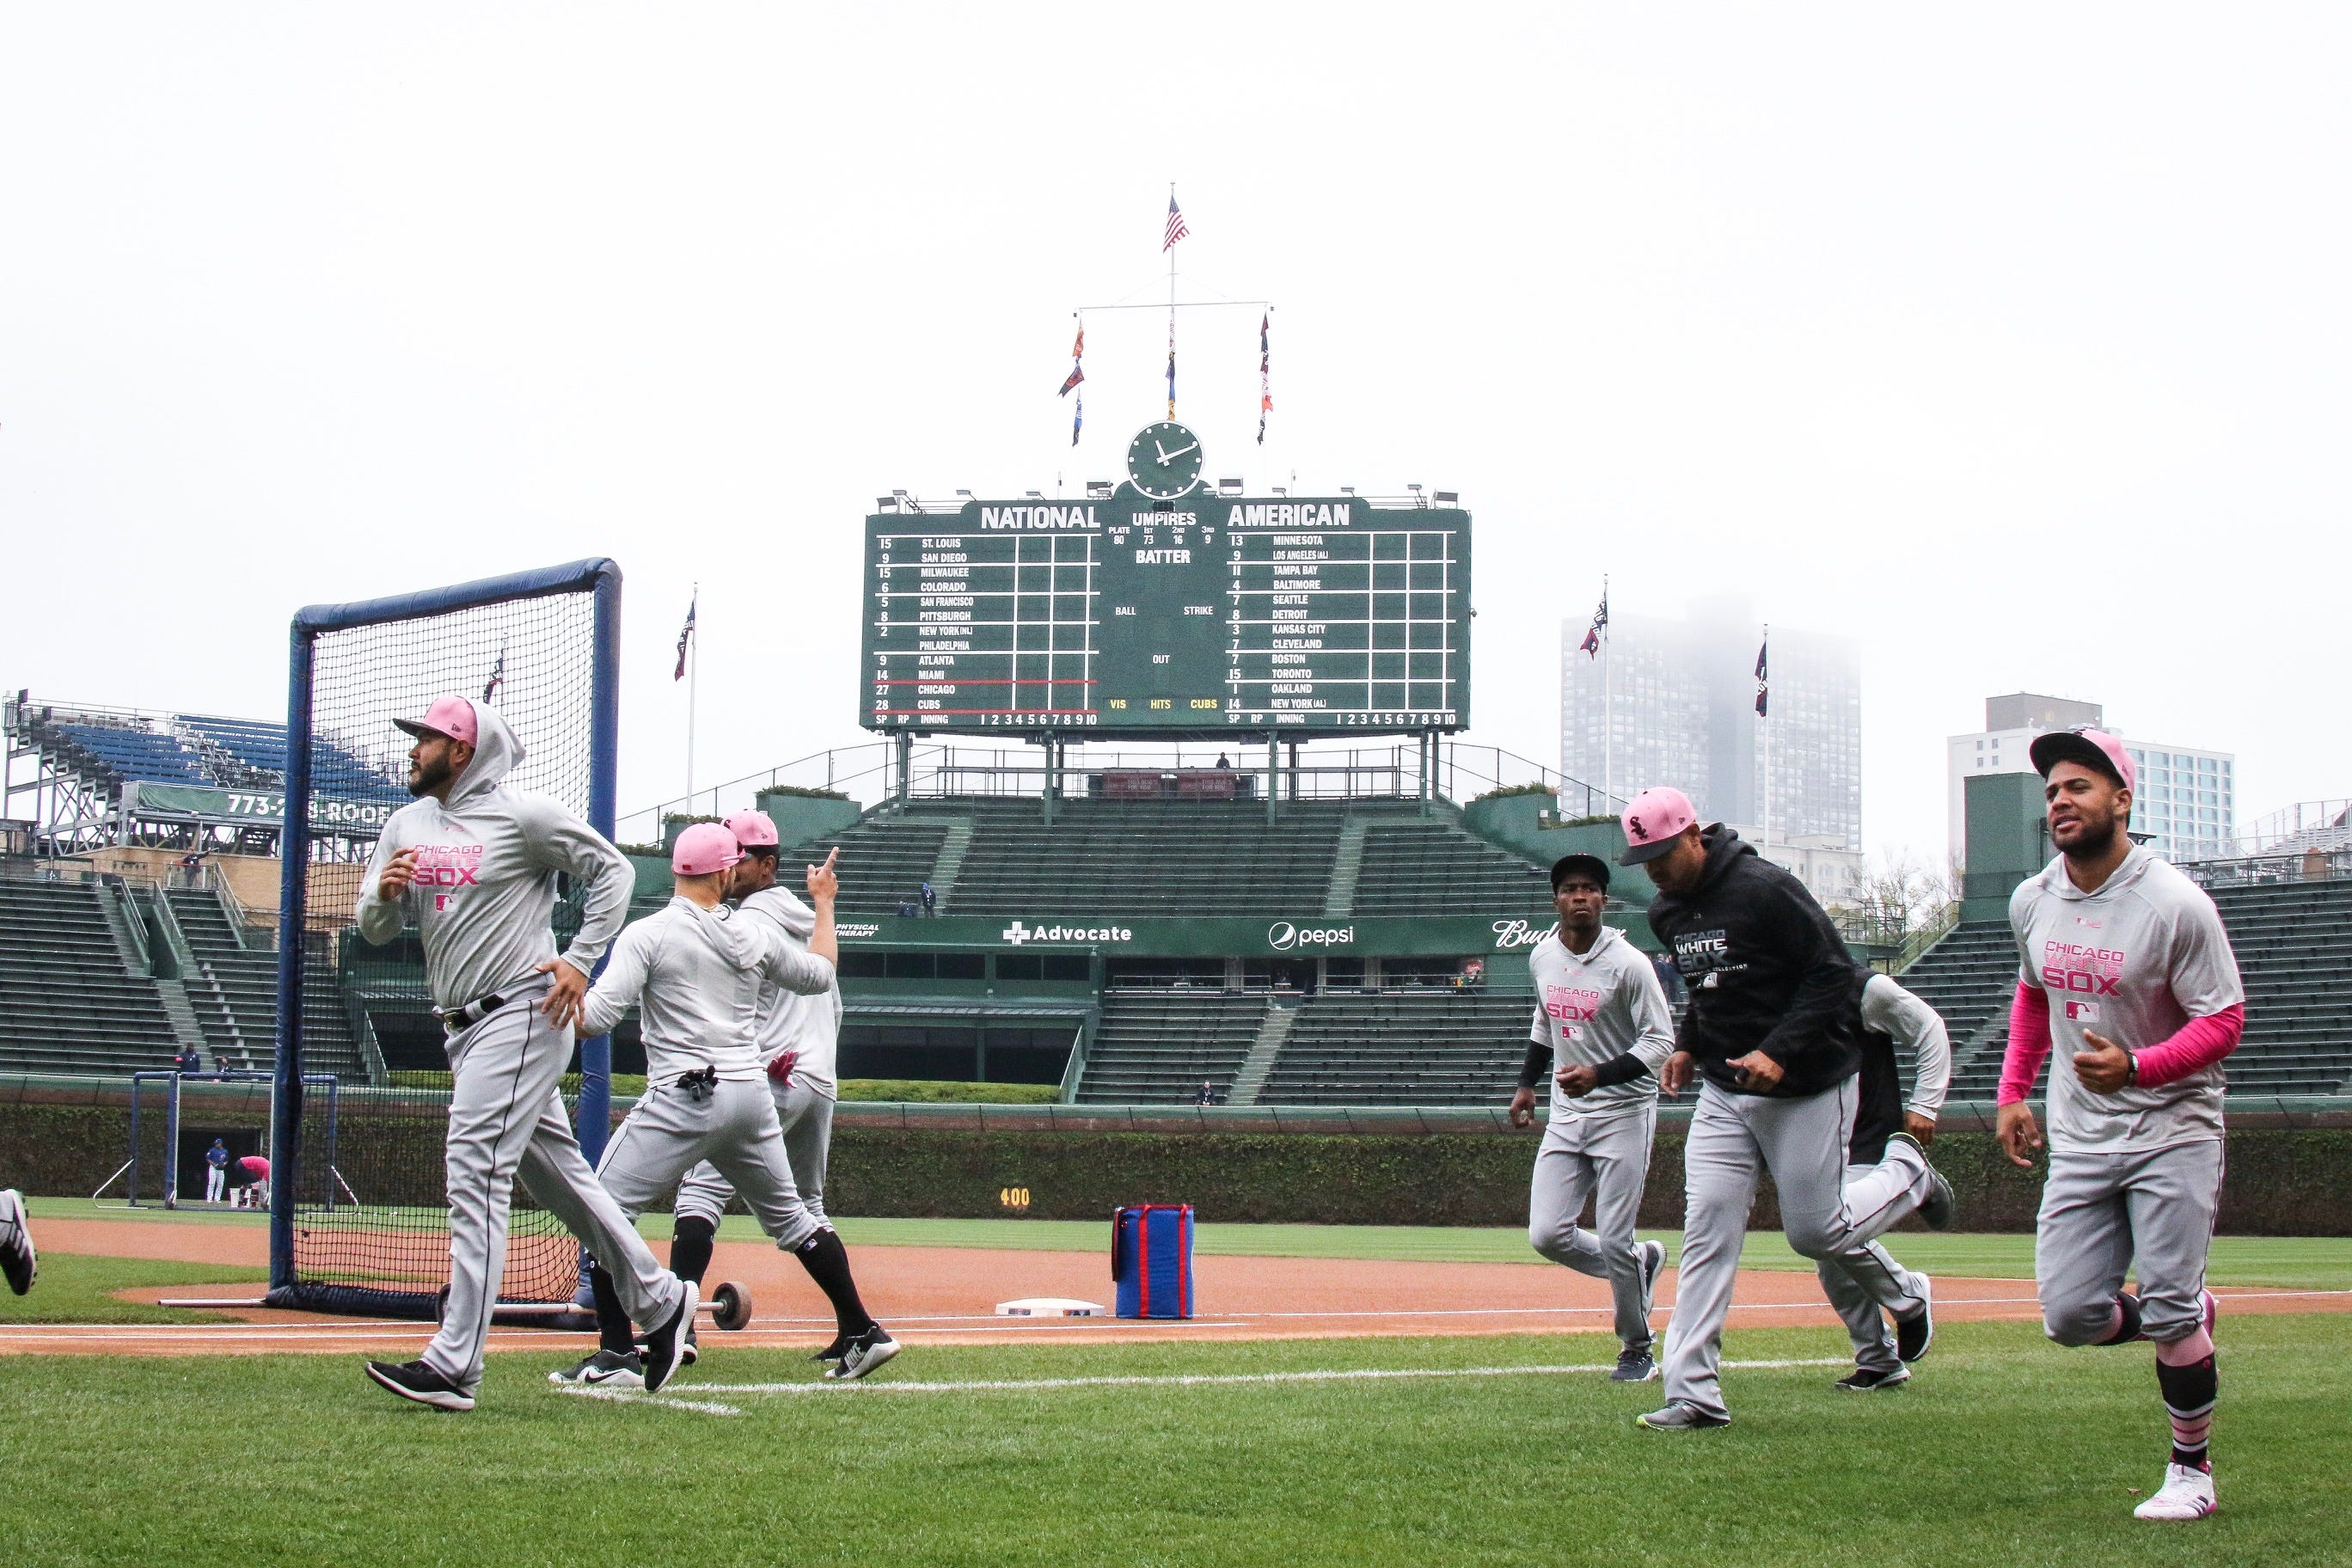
1168 936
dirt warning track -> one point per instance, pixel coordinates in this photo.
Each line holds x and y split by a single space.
948 1295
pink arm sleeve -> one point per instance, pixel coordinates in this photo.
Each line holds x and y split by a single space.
2028 1043
2200 1043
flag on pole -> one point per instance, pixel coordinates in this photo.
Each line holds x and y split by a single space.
1763 683
1176 230
685 636
1265 381
498 677
1592 645
1076 375
1077 365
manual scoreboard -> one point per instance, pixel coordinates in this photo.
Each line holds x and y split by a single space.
1198 614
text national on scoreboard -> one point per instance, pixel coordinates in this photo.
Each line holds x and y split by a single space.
1203 613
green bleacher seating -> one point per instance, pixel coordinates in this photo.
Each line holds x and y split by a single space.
235 994
66 1003
1156 1044
1433 866
1411 1047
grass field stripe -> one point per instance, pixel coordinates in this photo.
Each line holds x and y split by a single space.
634 1396
1202 1379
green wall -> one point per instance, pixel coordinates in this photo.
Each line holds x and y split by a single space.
2008 841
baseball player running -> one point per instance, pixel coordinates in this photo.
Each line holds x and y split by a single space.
1770 1028
1890 1017
1602 1027
18 1261
697 968
2148 1004
474 863
798 1036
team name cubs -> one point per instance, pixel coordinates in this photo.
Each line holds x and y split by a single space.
2083 969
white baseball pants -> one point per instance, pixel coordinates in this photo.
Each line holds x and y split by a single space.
1607 1160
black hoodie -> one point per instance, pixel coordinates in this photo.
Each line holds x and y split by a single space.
1766 969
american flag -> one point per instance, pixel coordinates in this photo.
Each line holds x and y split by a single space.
1592 644
1176 230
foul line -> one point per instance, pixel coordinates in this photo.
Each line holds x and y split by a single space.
1185 1379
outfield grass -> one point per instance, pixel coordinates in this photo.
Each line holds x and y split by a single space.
2004 1451
2286 1262
77 1290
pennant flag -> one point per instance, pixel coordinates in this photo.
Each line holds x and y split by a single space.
1171 376
1763 686
1592 645
498 677
1265 382
1078 348
1078 418
686 636
1176 230
1076 375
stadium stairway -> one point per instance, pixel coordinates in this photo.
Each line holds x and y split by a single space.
70 1001
2293 940
1249 1082
1347 868
1156 1044
234 989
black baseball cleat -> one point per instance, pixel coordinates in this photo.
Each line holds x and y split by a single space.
1914 1334
693 1350
605 1369
1864 1380
413 1380
1635 1366
666 1346
867 1351
17 1259
833 1351
1935 1209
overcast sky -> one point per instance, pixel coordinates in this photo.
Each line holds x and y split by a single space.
2011 340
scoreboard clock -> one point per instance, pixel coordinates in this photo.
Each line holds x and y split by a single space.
1163 461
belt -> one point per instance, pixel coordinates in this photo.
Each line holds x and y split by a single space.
456 1018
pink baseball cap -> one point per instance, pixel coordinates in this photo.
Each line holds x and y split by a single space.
703 849
752 829
1652 821
450 716
2095 749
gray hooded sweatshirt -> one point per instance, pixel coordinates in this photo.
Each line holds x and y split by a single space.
485 878
792 1020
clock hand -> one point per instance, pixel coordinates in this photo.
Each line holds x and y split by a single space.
1159 448
1172 456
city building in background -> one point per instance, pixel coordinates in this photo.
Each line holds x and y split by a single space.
1673 700
2186 800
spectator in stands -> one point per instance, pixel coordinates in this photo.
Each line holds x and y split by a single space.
192 868
1225 763
1208 1094
187 1059
930 899
216 1171
906 908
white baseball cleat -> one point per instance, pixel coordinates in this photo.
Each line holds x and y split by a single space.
605 1367
2186 1494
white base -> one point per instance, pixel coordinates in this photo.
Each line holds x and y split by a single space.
1051 1307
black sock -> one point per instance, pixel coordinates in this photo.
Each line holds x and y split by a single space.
827 1262
2129 1330
613 1331
2189 1395
689 1247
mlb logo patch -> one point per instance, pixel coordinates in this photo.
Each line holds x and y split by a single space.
2082 1012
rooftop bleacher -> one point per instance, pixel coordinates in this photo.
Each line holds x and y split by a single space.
113 747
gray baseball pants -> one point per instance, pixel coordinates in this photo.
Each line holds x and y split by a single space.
1734 1139
1607 1160
2101 1215
732 1125
506 1119
807 1119
1874 1340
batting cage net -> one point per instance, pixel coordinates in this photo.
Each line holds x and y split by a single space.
359 1206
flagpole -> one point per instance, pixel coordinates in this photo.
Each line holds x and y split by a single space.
1765 718
1170 248
1608 710
693 692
